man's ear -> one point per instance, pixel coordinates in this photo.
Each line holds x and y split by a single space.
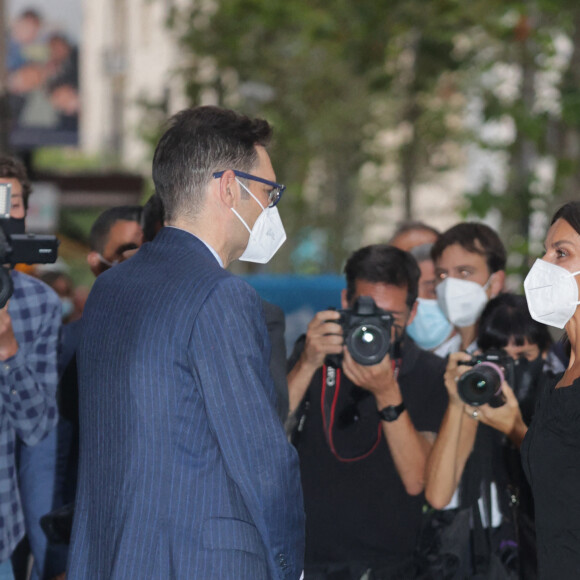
413 313
94 263
228 188
497 283
343 300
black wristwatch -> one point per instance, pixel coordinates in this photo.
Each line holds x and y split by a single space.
391 413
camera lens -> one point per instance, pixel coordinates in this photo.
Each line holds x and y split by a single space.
368 344
479 385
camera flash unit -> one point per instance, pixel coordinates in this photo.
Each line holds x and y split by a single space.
5 200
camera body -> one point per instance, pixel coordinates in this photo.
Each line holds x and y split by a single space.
18 247
481 385
367 332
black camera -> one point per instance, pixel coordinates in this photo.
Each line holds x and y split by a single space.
17 247
482 384
367 332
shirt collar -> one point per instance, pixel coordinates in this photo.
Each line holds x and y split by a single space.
214 253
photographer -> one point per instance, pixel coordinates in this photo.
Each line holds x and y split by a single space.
364 431
482 463
29 329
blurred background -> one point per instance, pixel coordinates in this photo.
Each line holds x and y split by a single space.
432 110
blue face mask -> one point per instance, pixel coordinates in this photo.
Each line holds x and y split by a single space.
67 307
429 327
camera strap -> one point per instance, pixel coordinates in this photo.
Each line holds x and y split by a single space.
331 385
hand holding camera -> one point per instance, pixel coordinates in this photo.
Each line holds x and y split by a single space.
482 384
323 338
367 332
368 342
357 339
379 379
455 369
506 418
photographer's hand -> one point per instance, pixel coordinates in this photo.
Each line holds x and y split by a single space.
8 342
379 379
323 337
507 418
452 373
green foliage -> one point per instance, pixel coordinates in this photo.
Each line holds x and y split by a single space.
333 77
523 35
65 159
317 71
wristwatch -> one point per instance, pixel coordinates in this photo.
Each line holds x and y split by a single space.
391 413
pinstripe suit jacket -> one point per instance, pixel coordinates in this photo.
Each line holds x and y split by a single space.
184 471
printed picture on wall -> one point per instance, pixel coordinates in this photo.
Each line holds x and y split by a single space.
43 72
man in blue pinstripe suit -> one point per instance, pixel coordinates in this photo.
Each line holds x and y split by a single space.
185 471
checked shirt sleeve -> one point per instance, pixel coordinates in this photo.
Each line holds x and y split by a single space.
28 380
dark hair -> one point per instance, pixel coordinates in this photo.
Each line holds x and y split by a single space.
104 223
198 143
421 253
381 263
476 238
569 212
59 36
52 277
13 168
152 218
409 226
32 14
59 83
507 317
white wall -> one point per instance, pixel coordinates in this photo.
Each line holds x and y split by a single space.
127 54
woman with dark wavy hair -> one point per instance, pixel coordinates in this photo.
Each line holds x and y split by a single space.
551 448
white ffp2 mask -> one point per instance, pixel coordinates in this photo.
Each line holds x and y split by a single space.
266 236
462 301
551 293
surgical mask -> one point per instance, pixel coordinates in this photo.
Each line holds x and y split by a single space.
66 307
551 293
429 327
462 301
266 236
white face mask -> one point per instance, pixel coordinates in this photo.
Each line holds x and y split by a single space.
266 236
462 301
551 293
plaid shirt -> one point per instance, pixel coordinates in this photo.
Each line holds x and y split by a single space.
28 390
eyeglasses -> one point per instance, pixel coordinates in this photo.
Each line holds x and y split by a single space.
275 193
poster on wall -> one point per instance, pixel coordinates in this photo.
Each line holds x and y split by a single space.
43 72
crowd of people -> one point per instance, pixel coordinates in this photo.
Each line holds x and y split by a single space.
165 434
